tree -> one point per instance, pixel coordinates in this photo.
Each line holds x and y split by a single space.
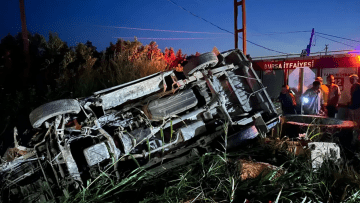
169 57
37 45
179 58
83 52
55 63
90 45
8 47
109 51
153 50
55 45
8 43
216 51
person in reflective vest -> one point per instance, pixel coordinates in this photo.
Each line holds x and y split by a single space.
324 90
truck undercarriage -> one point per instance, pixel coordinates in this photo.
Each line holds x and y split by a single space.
165 119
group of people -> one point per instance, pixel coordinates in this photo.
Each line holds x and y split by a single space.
322 99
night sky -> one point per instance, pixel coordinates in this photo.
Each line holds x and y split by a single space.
79 21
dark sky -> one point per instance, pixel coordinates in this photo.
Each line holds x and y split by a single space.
78 21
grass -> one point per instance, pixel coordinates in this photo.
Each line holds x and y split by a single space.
215 177
211 179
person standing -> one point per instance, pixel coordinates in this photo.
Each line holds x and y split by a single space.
354 105
333 96
312 100
287 100
324 90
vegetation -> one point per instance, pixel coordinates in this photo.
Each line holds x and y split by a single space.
58 71
216 177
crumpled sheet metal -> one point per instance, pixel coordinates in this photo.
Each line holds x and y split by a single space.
126 142
219 89
113 120
7 166
131 83
165 107
190 131
96 154
239 90
70 162
134 91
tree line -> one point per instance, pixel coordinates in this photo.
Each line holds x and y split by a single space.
60 71
57 67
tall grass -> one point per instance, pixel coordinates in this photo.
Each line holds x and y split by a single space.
211 179
215 177
115 71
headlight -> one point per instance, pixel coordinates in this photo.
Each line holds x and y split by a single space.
305 100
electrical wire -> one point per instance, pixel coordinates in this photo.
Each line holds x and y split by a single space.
157 30
222 28
338 37
195 32
277 33
334 41
171 38
199 16
265 47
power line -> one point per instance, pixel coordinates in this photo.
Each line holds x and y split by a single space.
222 28
338 37
157 30
195 32
335 41
276 33
199 17
265 47
169 38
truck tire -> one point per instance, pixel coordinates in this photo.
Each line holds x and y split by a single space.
238 59
201 62
52 109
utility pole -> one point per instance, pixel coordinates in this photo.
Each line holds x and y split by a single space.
243 29
25 39
326 48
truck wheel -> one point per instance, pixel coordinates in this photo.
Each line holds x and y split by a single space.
52 109
237 58
201 62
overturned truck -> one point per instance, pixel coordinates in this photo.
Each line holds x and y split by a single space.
167 118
